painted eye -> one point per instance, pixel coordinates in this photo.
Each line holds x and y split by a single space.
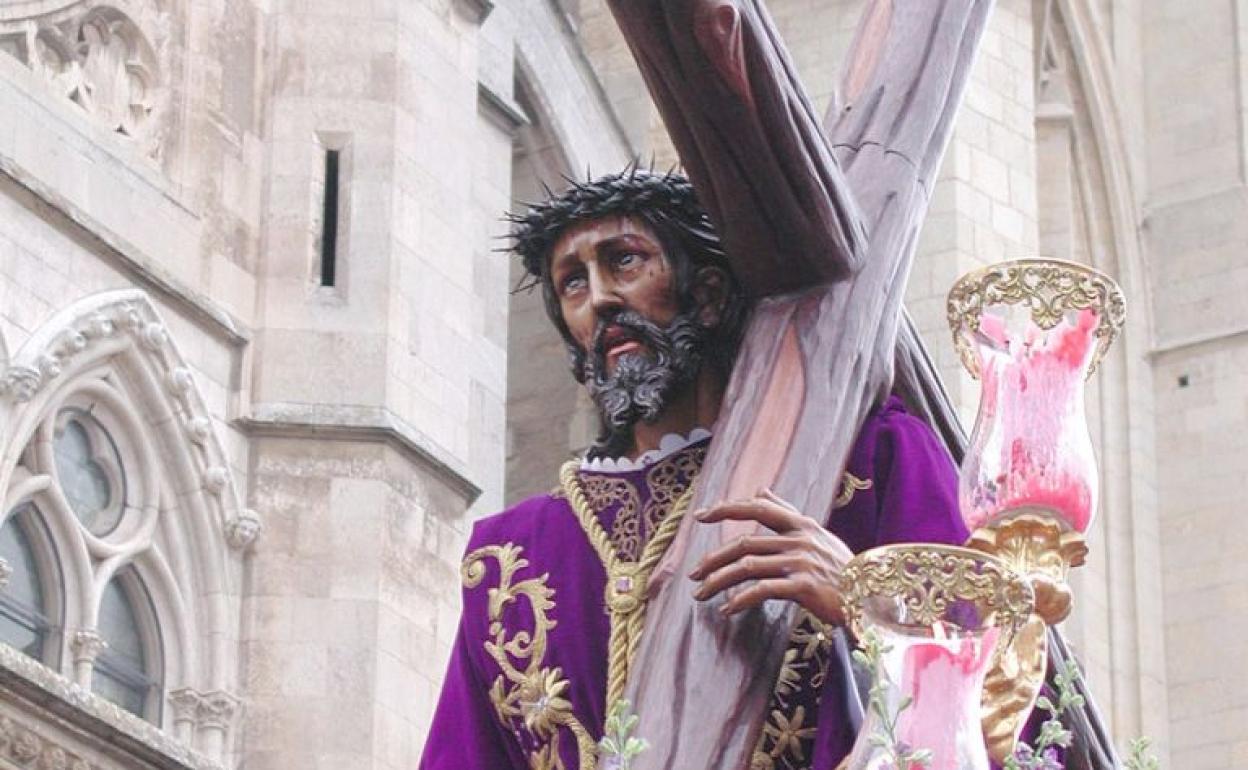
572 284
627 259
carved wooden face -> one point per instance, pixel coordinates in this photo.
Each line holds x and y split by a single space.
602 266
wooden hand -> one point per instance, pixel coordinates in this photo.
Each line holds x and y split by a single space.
801 561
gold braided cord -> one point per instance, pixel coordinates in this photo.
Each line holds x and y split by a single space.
627 608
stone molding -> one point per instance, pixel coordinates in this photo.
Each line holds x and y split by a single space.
32 687
504 112
142 268
360 423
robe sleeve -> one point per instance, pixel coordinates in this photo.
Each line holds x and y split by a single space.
465 733
917 485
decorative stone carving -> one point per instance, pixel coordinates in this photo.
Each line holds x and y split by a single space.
20 382
215 479
153 336
86 645
186 703
54 758
217 709
97 56
181 381
25 746
243 529
18 740
199 429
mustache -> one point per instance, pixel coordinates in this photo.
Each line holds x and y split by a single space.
635 326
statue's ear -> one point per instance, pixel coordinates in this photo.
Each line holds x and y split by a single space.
710 294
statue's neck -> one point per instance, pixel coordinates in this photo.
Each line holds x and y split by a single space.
695 406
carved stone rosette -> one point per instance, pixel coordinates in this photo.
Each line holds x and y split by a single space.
98 54
1048 287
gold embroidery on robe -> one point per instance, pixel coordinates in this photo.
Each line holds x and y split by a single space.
527 694
667 480
787 740
601 492
850 484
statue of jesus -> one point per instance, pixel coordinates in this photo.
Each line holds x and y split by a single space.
742 337
636 281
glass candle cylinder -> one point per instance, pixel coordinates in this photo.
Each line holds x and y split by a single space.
1032 331
932 618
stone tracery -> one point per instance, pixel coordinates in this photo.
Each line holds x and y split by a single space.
109 356
98 55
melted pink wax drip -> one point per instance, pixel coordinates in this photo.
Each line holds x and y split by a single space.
1031 446
941 676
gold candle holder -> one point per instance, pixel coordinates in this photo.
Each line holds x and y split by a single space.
1031 331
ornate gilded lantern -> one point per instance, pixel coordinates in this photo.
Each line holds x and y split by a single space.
934 619
1031 331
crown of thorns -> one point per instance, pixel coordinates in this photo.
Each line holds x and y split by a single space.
632 191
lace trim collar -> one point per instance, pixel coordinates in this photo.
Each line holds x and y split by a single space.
668 445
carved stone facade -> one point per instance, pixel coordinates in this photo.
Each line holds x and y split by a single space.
105 57
307 449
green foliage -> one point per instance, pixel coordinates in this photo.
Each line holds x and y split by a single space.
618 746
1139 757
1053 734
871 650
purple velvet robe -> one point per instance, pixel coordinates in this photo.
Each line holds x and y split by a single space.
527 675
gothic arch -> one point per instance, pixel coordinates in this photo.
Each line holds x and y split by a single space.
108 362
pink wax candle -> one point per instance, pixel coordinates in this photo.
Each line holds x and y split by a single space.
1031 446
944 678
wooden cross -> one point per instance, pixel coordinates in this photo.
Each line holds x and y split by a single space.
820 221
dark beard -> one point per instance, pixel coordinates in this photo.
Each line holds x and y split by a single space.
643 383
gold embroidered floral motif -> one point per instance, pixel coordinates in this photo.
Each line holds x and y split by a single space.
850 484
526 693
787 741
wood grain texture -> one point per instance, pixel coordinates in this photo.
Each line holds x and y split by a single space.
748 138
826 236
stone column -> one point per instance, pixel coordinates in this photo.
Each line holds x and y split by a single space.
186 704
216 715
86 645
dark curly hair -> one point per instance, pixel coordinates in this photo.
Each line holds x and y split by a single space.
667 203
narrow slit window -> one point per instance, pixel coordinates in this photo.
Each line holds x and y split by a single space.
329 219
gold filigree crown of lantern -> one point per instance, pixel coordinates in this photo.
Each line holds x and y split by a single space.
938 617
1048 287
920 584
